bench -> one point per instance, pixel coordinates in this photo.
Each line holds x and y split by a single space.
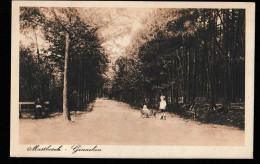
30 107
26 107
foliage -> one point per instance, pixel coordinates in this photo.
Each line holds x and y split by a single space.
189 53
86 64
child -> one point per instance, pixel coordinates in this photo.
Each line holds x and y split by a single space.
145 107
162 107
145 112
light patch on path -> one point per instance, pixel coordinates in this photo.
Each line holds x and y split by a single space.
116 123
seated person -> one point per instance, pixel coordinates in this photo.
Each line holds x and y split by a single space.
145 107
38 108
145 111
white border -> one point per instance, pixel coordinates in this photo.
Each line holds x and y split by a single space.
17 150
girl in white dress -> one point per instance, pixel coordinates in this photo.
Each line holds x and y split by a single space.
163 107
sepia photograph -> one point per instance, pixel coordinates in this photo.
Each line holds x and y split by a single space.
126 79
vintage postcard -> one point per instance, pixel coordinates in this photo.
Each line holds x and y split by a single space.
132 79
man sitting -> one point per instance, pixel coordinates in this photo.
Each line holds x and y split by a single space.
38 108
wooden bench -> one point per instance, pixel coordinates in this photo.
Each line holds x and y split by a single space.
30 107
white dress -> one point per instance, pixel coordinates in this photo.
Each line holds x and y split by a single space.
162 104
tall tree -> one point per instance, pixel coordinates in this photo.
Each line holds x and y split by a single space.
194 50
81 49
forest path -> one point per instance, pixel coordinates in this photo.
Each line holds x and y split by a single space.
116 123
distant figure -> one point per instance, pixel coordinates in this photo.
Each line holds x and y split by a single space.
163 107
46 108
38 108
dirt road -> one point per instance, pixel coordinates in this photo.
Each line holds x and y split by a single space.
115 123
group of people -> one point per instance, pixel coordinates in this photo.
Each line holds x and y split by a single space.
162 107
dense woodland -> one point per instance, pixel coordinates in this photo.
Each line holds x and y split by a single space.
188 55
192 56
69 71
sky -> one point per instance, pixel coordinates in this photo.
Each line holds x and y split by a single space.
124 28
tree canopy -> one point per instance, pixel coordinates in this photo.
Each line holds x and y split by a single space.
87 59
185 54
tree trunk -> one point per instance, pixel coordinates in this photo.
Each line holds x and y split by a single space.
226 103
37 48
66 113
194 77
177 74
211 98
40 90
